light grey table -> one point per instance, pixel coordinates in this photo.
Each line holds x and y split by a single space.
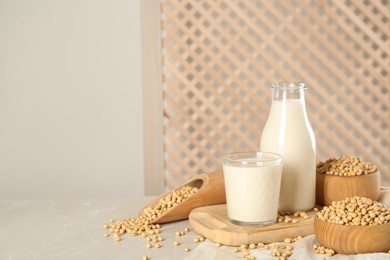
73 229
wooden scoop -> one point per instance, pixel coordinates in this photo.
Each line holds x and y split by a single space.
211 192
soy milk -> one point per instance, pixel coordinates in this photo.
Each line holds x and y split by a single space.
288 132
252 188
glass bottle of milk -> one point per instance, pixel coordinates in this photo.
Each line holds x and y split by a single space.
288 132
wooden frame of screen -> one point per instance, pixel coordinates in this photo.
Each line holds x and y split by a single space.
152 96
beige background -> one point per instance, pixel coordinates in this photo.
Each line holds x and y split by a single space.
70 99
220 58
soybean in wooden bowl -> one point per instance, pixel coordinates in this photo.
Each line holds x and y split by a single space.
346 176
368 235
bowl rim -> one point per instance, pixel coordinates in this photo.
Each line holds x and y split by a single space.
316 218
363 175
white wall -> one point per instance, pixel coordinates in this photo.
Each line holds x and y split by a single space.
70 99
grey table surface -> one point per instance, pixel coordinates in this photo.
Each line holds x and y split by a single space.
73 229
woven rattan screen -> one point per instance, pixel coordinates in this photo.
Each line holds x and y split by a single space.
220 58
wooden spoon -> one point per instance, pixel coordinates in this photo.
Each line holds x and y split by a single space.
353 239
211 192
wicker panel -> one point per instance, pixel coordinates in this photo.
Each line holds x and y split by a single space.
220 57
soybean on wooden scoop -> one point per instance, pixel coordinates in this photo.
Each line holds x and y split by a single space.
211 192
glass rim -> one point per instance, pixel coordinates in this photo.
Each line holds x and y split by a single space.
252 159
288 85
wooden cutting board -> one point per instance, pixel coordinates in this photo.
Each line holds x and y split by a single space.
212 222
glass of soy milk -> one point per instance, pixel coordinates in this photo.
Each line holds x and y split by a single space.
252 185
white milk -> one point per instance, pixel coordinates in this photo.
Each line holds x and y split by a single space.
288 132
252 193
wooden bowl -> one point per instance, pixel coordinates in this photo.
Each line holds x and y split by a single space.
332 188
353 239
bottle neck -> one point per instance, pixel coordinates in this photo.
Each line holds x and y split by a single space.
288 91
